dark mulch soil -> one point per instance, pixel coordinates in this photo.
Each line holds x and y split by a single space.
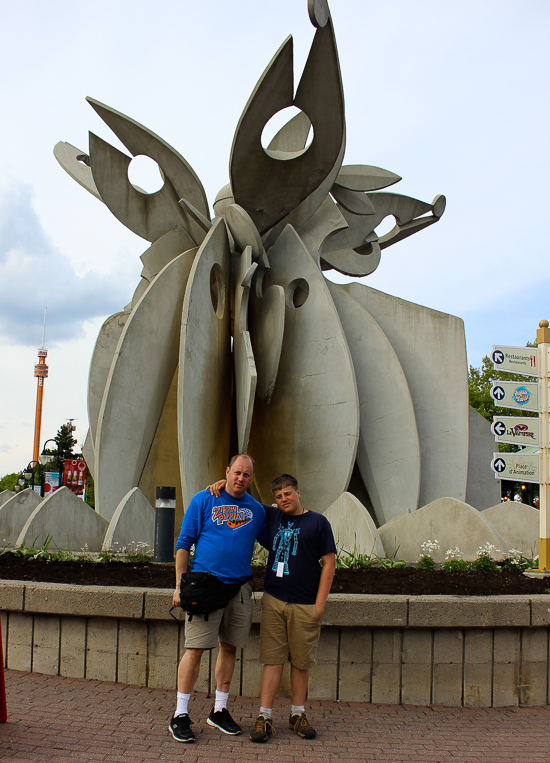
406 581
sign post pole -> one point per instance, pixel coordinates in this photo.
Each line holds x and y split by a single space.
3 704
543 341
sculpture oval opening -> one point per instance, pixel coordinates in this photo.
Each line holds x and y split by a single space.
385 225
145 174
297 292
217 290
288 134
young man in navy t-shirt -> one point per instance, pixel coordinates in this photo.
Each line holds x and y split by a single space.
295 593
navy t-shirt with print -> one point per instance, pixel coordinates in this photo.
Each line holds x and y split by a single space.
296 544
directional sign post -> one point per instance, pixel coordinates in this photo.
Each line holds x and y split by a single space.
527 396
518 395
519 430
517 360
516 467
543 341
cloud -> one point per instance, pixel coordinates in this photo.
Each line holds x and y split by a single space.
34 273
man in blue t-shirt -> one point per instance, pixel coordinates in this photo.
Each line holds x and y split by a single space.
295 592
223 531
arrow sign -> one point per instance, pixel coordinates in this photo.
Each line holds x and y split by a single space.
518 360
516 467
519 395
520 430
497 393
498 428
498 465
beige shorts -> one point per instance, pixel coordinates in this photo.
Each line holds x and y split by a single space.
288 630
230 625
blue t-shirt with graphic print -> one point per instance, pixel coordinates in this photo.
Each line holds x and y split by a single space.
295 545
223 531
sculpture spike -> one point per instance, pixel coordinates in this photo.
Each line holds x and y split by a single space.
268 188
140 140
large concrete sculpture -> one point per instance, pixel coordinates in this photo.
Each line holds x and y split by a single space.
234 339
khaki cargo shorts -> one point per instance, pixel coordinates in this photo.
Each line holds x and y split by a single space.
288 629
230 625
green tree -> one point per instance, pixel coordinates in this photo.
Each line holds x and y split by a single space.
65 442
90 489
8 482
480 382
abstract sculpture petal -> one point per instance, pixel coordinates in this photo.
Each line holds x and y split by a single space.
422 338
147 215
267 323
257 178
361 177
140 140
138 383
77 164
100 365
311 424
204 389
245 367
388 455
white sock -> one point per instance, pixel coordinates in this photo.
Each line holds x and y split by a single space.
221 700
182 703
297 709
266 712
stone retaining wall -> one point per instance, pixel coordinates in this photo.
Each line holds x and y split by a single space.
455 651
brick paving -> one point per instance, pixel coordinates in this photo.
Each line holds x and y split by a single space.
67 720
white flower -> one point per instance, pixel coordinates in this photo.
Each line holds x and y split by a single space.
514 555
453 553
486 550
429 546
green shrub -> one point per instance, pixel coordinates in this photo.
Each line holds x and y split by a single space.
426 563
485 561
456 565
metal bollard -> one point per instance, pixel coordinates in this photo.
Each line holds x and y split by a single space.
165 517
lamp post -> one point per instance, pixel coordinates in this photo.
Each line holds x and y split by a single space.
28 474
45 457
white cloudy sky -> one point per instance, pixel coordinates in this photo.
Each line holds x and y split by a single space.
452 96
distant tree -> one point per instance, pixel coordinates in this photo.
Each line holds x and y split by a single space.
480 382
66 442
90 489
8 482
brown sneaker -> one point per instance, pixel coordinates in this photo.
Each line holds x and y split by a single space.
262 730
300 725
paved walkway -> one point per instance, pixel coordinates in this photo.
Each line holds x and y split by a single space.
67 720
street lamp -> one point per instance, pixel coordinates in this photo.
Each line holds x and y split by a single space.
28 474
45 457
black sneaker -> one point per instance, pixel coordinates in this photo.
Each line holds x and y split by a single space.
223 721
262 730
180 728
300 725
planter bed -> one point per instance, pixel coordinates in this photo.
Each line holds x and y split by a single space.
401 581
